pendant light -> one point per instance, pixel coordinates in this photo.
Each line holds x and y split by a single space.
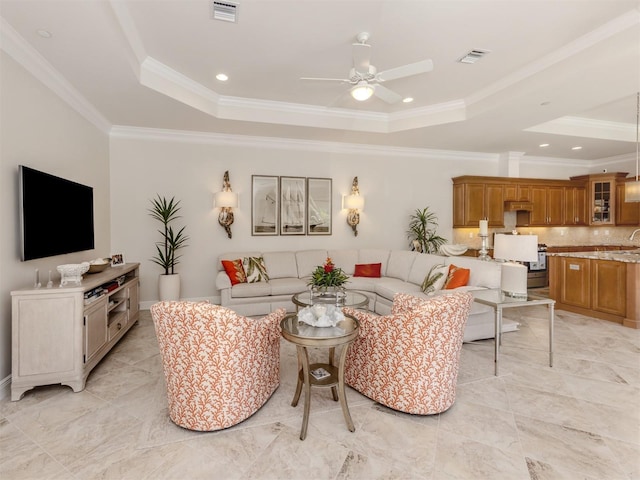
632 189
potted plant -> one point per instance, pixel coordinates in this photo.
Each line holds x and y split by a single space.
422 232
166 211
327 279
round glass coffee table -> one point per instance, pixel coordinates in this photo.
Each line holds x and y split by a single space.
350 298
320 374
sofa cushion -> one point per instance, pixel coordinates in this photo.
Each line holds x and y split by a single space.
457 277
366 284
400 262
344 259
387 287
485 274
374 255
247 290
281 264
435 279
235 271
234 256
255 269
287 286
308 260
421 266
367 270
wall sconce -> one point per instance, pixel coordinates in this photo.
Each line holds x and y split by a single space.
226 200
354 203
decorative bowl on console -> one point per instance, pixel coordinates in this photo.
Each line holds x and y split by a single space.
71 273
452 250
98 265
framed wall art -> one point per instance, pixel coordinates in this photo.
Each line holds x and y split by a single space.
265 205
319 206
293 211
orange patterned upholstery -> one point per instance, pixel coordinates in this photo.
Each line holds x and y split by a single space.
219 367
409 360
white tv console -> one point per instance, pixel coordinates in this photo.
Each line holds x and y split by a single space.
56 338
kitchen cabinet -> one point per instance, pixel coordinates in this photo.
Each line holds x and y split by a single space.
609 287
601 200
575 205
574 281
627 213
473 202
548 206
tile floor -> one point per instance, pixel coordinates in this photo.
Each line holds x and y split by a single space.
577 420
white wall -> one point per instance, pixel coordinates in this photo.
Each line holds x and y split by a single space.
393 184
39 130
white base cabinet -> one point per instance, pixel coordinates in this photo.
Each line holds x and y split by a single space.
56 338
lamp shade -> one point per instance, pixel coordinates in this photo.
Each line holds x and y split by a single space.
353 202
521 248
225 199
632 191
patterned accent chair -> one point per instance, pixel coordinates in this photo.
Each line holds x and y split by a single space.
408 360
219 367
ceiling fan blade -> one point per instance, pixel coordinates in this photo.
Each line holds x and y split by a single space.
383 93
361 57
405 71
343 80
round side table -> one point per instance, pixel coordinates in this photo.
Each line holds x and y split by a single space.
303 336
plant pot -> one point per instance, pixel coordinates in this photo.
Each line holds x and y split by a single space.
169 287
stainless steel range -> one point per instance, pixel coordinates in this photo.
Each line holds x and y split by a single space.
537 273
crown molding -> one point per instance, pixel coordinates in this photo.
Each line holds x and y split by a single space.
153 134
588 128
28 57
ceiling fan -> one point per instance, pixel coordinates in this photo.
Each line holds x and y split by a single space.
366 79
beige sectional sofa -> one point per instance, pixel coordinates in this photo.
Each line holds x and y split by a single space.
402 271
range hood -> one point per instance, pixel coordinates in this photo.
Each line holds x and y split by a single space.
518 206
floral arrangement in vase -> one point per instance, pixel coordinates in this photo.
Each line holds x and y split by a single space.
327 275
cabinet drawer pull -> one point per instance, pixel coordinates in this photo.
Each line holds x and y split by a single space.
119 326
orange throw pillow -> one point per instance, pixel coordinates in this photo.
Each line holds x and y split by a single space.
367 270
458 277
235 271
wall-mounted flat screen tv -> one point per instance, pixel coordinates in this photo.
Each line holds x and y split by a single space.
56 215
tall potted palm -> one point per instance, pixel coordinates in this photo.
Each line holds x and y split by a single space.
166 211
422 232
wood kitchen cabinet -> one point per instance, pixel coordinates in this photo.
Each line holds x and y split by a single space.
627 213
548 205
601 200
473 202
574 287
575 205
609 287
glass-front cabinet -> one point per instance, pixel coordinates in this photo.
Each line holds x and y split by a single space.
602 194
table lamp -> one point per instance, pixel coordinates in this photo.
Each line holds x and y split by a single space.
513 249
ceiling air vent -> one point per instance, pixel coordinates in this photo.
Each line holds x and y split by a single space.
225 11
474 55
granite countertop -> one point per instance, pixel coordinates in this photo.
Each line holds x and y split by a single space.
626 256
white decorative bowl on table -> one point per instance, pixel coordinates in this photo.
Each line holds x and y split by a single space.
71 273
452 250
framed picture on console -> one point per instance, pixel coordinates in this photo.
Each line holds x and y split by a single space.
265 205
117 259
319 206
293 211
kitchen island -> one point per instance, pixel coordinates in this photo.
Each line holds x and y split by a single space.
600 284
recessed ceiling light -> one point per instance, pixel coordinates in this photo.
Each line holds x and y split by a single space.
44 33
407 100
543 145
577 147
222 77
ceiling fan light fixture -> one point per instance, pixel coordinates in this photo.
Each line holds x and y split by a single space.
362 91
